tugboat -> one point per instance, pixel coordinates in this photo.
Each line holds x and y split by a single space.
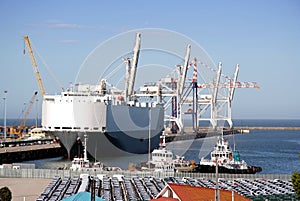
228 161
83 164
164 160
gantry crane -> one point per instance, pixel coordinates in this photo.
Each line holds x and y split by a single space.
34 65
210 101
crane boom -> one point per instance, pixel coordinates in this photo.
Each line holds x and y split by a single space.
133 67
28 109
182 77
34 65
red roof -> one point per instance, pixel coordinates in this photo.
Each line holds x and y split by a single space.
165 199
192 193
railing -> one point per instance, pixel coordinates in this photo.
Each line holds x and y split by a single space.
51 173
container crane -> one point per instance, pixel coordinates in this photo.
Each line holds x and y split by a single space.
34 65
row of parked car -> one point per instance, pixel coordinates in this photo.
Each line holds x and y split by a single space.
60 188
120 188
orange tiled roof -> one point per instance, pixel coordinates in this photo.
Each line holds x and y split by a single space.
192 193
165 199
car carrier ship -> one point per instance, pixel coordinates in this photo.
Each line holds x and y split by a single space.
116 122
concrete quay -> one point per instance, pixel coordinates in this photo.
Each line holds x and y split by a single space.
31 152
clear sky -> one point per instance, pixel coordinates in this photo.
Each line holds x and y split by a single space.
262 36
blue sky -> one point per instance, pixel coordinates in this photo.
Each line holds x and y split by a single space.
262 36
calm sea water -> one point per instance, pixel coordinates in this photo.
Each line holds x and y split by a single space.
277 152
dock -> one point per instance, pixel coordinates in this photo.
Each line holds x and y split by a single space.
189 134
30 152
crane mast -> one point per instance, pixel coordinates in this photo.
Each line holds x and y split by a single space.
34 65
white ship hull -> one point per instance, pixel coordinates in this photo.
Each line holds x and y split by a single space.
112 128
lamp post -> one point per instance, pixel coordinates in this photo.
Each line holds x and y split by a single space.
149 139
5 92
217 192
37 113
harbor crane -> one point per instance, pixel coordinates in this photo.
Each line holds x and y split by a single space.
131 67
34 65
210 101
17 130
31 103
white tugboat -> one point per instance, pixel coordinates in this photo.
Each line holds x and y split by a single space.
164 160
81 163
84 164
228 161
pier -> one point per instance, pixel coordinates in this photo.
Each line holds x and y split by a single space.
29 152
202 132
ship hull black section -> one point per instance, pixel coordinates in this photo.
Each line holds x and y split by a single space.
222 169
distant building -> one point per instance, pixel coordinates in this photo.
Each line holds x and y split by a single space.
178 192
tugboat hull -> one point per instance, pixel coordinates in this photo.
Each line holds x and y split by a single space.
222 169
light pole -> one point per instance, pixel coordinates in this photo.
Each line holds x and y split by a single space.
37 113
149 138
217 192
5 92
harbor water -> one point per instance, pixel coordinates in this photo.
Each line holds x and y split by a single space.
276 151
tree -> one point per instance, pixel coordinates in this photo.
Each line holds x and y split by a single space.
5 194
296 182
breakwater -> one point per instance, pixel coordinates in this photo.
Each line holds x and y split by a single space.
267 128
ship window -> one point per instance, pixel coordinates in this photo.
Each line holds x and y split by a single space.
56 127
96 128
76 128
66 127
86 128
49 99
